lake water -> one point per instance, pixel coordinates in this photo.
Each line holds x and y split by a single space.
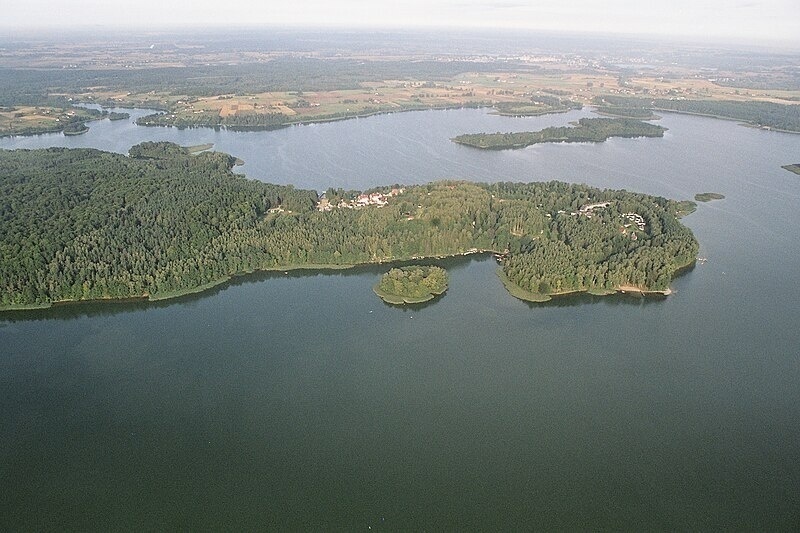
301 401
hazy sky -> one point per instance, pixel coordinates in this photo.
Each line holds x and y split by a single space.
742 19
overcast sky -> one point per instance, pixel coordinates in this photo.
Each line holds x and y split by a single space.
777 20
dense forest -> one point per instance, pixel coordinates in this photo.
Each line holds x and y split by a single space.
763 114
586 130
82 224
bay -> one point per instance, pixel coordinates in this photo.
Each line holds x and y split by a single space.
301 401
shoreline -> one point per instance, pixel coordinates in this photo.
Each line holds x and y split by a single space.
652 116
532 114
323 119
468 105
730 119
560 140
212 284
513 289
395 299
522 294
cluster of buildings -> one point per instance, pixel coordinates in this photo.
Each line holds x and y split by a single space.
586 210
376 199
636 219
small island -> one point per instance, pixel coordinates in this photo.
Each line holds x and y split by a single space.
75 128
114 115
585 130
708 196
792 168
627 112
412 284
538 105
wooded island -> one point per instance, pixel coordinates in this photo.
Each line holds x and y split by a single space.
708 196
585 130
83 224
412 284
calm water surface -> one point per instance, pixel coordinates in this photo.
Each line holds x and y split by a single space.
304 402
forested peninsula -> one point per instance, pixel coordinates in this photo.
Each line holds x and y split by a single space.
586 130
83 224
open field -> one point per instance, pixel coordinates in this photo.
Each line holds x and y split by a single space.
28 117
29 120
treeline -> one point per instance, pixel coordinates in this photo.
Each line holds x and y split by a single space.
165 150
786 79
85 224
249 120
114 115
586 130
35 87
47 87
538 105
255 120
639 113
763 114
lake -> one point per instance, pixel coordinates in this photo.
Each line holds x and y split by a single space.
301 401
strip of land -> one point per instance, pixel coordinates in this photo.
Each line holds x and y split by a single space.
586 130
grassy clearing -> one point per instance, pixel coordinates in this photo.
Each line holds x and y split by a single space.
197 148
